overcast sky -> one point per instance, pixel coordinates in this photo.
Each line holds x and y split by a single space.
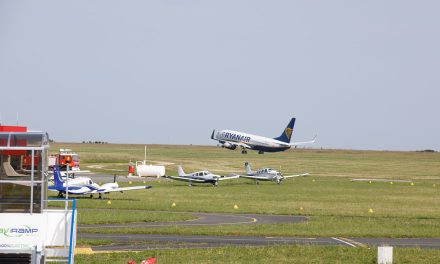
360 74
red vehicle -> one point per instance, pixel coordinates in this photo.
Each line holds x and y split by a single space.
63 158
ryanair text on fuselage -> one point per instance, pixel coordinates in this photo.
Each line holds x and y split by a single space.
234 137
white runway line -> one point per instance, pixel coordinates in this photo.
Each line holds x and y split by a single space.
343 241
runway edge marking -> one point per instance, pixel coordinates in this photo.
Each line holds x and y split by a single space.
344 242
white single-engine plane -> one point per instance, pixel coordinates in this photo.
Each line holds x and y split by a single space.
267 174
200 177
231 139
85 186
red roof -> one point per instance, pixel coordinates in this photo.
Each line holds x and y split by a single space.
13 129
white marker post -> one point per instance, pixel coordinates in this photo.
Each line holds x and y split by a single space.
384 255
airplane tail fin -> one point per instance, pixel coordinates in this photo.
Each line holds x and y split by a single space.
57 177
248 167
287 133
180 171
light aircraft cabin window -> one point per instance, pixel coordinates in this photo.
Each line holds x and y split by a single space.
90 182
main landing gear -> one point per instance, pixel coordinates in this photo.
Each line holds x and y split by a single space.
243 151
260 152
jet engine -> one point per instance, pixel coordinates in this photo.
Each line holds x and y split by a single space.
229 146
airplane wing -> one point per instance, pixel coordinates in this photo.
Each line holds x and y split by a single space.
297 175
72 190
254 177
123 189
228 177
177 178
303 142
63 173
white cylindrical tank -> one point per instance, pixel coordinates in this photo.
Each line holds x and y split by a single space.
150 170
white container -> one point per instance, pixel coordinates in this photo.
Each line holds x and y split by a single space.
385 255
149 170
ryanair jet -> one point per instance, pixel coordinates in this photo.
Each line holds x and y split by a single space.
232 139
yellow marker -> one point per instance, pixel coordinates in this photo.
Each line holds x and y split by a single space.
109 202
173 205
369 182
301 208
370 211
145 182
412 184
235 206
313 180
129 182
434 185
391 183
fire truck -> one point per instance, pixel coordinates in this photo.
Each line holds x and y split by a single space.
66 157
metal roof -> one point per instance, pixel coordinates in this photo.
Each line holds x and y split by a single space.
23 140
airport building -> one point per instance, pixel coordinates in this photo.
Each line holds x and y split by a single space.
30 231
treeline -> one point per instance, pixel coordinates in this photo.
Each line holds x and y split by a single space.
95 142
426 150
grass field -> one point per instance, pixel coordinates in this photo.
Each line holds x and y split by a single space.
272 254
335 206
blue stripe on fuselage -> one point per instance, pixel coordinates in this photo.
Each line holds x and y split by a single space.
269 149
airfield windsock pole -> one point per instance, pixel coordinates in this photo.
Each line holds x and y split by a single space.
145 155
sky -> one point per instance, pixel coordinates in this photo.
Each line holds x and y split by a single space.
359 74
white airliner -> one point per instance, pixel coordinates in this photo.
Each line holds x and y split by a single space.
232 139
200 177
267 174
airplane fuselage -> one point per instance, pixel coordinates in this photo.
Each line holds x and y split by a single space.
265 174
254 142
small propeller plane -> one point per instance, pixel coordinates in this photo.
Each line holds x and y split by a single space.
85 186
200 177
267 174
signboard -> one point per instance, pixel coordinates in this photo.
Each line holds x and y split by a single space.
18 230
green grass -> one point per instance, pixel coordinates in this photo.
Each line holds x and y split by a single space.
268 254
339 163
316 226
335 205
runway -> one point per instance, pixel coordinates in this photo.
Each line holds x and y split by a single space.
149 242
155 241
211 219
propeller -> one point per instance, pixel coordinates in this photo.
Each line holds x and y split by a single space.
280 177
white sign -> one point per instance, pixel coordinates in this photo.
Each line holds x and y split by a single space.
18 230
